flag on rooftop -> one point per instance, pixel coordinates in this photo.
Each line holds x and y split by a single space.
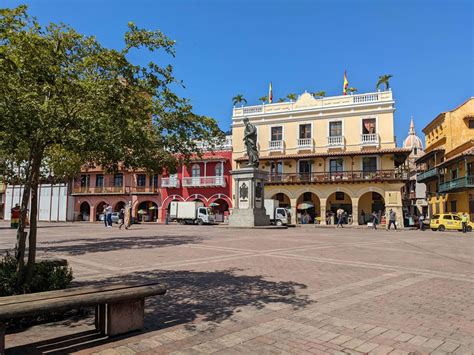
270 93
346 84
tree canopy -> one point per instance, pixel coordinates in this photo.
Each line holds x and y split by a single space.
66 100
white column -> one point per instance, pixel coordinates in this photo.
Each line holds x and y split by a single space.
355 211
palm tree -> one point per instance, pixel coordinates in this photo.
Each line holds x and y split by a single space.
320 94
263 99
352 90
239 99
384 79
291 97
281 99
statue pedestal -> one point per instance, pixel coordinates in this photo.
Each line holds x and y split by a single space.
249 209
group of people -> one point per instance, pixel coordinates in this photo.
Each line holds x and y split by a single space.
374 219
124 216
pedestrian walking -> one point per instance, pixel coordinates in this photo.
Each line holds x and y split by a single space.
340 217
421 223
392 216
464 221
374 220
362 217
104 212
108 215
128 215
121 217
15 213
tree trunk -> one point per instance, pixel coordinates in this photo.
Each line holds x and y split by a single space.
33 229
32 181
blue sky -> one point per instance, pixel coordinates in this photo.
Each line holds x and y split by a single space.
226 47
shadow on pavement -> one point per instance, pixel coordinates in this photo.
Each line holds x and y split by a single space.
192 296
97 245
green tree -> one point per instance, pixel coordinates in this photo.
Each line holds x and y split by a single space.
384 80
239 99
291 97
320 94
66 100
263 99
352 90
281 99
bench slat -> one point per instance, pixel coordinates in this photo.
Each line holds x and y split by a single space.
82 300
68 292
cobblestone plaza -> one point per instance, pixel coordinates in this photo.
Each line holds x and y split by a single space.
268 291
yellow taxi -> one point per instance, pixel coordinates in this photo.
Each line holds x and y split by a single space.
448 221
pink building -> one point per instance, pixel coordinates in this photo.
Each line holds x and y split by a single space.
94 188
206 179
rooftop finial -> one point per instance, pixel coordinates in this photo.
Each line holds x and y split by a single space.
412 126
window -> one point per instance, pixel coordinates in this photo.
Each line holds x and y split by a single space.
456 218
368 126
155 180
99 180
471 124
277 133
415 151
118 180
335 129
85 179
454 174
336 165
218 169
454 206
196 170
339 196
304 166
276 168
305 131
448 216
141 180
369 164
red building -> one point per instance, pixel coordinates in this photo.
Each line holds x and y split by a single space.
206 179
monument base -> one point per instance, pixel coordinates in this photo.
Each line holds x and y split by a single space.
249 209
249 218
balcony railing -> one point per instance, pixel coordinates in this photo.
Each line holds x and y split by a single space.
369 139
319 103
275 145
204 181
336 141
145 189
341 176
463 182
305 143
427 175
87 190
170 182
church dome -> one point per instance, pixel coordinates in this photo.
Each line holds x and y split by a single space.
412 141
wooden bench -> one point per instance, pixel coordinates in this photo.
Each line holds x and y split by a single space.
118 308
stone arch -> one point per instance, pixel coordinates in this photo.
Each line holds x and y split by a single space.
99 207
119 205
165 206
364 190
369 202
272 192
85 210
333 204
141 199
329 192
216 197
200 197
308 215
150 207
284 199
311 189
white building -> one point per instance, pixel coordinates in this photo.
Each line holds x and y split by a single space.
54 202
414 193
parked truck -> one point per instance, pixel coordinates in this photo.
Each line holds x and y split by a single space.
279 216
190 213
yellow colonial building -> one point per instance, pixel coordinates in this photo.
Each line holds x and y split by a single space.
329 153
447 168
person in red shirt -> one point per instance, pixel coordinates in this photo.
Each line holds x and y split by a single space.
15 216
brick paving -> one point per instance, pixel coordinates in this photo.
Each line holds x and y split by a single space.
300 290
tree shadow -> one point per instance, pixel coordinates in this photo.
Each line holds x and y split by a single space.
193 297
96 245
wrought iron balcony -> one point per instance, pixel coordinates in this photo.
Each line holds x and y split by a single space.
340 176
426 175
276 145
204 181
456 184
170 182
145 189
336 141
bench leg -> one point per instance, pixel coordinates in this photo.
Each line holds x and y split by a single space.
2 339
100 319
123 317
